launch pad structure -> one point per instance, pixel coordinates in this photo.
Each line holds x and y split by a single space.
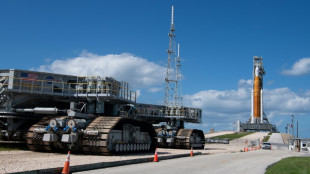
258 120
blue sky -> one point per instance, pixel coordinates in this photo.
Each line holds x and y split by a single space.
128 40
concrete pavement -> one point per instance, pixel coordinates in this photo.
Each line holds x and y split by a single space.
233 163
276 138
254 162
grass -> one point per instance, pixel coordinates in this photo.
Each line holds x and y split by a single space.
9 147
300 165
233 136
266 138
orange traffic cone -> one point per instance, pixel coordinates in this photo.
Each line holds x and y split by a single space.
247 149
251 148
192 153
66 168
155 156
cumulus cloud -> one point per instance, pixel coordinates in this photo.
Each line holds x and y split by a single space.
222 103
300 67
138 93
139 72
283 101
280 122
222 108
155 89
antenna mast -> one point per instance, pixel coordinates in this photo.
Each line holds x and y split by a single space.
173 75
178 76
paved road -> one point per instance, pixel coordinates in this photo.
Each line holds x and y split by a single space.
277 142
233 163
276 138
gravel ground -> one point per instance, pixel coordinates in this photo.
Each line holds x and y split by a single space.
17 161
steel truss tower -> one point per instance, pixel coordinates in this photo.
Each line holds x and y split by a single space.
173 95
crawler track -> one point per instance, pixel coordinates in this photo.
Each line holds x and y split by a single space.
188 138
34 142
99 144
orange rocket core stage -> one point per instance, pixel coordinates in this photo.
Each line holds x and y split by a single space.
257 97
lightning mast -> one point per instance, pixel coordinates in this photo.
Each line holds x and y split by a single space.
178 91
173 99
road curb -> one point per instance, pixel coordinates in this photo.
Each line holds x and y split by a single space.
85 167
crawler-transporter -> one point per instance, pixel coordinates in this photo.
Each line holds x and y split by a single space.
97 115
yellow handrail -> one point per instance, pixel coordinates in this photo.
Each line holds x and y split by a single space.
105 87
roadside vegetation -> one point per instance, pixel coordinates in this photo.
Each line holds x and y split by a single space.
266 138
300 165
9 147
232 136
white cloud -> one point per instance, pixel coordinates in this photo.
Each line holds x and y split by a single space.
222 108
283 101
222 103
245 83
280 122
138 93
300 67
270 82
155 89
137 71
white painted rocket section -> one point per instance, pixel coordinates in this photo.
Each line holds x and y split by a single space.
256 71
261 106
252 107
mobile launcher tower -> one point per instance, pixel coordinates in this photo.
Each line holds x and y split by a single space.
258 120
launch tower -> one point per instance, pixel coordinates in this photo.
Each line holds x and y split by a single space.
258 120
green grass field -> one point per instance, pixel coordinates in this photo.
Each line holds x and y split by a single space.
298 165
8 147
233 136
266 138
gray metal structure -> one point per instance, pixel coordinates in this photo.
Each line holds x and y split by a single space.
90 114
169 80
172 133
173 95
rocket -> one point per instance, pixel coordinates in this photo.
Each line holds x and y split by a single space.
257 93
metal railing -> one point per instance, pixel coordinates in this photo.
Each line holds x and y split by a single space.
86 89
185 113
